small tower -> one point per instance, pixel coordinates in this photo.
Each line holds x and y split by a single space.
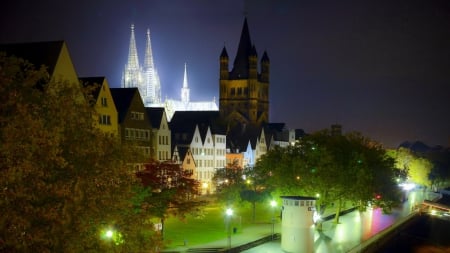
297 224
185 90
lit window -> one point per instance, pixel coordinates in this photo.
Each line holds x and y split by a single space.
104 102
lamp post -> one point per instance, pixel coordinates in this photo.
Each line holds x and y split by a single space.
229 213
273 204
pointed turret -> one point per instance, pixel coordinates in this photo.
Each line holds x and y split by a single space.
224 74
265 68
253 63
185 89
132 74
241 62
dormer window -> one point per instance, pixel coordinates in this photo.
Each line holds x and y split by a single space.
137 115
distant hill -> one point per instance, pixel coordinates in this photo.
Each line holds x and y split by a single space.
420 147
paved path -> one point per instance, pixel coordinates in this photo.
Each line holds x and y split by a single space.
354 228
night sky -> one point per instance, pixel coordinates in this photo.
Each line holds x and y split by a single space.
378 67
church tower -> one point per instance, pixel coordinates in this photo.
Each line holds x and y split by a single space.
244 92
185 90
132 75
151 78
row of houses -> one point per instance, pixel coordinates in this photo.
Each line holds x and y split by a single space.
197 140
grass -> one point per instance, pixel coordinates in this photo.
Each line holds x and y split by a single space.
212 225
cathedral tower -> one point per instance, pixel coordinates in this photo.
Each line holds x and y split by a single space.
151 78
146 79
132 75
244 92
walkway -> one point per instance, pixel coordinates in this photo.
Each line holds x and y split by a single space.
354 228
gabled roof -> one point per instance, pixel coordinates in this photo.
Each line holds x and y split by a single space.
276 130
90 82
187 120
241 64
122 99
239 137
183 123
182 152
37 53
155 114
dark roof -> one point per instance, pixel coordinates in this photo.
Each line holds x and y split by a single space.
37 53
155 115
122 99
276 130
182 151
91 81
182 120
224 53
265 57
183 125
239 136
241 64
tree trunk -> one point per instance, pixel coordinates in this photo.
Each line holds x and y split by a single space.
162 228
319 225
338 211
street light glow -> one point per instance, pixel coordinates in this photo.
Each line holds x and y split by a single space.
229 211
273 203
109 233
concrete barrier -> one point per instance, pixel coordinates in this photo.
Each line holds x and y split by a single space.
375 242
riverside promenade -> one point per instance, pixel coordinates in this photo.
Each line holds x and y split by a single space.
353 229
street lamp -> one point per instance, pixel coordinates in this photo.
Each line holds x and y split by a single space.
273 204
229 213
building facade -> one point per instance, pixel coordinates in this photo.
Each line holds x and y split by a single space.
147 80
244 92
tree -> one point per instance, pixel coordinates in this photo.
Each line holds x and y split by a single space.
229 182
235 184
418 168
63 181
323 165
172 189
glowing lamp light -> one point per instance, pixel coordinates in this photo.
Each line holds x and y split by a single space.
109 233
273 203
316 216
229 211
378 196
407 186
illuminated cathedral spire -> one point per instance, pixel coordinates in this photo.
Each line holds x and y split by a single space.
151 78
132 76
185 89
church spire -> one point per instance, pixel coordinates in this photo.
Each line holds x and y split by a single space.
133 60
241 62
132 73
185 89
151 79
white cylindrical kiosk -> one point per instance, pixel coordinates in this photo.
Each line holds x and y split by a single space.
297 230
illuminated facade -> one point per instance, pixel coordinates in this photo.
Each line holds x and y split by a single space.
185 104
107 116
147 81
244 93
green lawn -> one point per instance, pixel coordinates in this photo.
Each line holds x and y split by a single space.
212 225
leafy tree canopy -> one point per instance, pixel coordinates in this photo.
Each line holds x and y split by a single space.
63 182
